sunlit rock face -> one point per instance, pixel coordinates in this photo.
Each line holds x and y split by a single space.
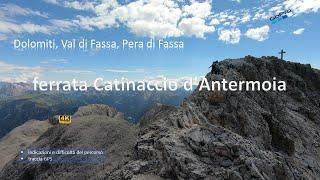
212 135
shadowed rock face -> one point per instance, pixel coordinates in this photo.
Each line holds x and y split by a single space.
20 138
212 135
93 127
236 135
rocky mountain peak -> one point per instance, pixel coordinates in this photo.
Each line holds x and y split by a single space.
219 135
14 89
263 117
97 109
241 134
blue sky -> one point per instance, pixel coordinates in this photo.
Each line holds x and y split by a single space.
211 30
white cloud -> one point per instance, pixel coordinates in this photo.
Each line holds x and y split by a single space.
195 27
155 18
79 5
71 71
261 15
106 6
55 61
307 22
276 9
198 9
3 37
214 22
245 18
25 77
20 73
165 18
17 73
52 1
10 27
6 67
152 18
259 34
298 31
232 18
13 10
100 22
302 6
63 25
95 6
230 36
280 31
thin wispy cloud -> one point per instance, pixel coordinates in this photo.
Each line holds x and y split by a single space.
280 31
125 71
9 25
55 61
71 71
20 73
298 31
9 10
238 1
30 28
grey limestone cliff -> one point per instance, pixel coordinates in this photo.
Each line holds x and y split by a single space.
213 134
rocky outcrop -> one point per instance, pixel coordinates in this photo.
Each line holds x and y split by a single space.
98 109
236 135
213 135
20 138
158 111
99 131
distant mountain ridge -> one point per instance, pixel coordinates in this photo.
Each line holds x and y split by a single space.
14 89
212 135
20 103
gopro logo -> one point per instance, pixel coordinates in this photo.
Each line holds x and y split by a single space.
280 16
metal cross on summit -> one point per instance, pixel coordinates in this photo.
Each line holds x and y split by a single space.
282 52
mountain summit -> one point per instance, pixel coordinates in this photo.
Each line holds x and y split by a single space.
212 135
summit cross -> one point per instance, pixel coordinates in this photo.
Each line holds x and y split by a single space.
282 52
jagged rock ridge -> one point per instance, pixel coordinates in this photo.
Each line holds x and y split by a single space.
222 135
20 138
93 127
237 135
